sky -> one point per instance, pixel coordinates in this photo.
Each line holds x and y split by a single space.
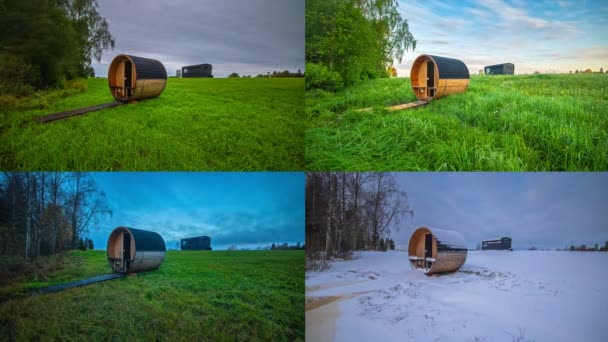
545 36
244 36
240 208
545 210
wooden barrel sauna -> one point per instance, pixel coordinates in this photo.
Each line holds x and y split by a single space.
136 78
433 77
436 250
134 250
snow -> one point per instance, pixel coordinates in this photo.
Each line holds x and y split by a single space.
449 238
496 296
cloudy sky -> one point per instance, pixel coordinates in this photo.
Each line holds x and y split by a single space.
244 36
546 210
245 209
548 36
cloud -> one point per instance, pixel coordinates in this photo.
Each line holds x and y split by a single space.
242 36
548 210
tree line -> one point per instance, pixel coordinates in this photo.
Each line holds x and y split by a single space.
352 40
45 42
42 213
284 73
585 248
351 211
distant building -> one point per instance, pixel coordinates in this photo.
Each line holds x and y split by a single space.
199 243
497 244
500 69
199 70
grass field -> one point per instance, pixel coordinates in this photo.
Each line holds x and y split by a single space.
217 296
196 124
502 123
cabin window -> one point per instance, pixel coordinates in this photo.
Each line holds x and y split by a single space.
185 71
184 243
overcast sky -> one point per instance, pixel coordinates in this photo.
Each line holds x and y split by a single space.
241 208
244 36
548 36
546 210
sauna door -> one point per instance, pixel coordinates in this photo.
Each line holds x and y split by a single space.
430 78
126 250
428 246
128 78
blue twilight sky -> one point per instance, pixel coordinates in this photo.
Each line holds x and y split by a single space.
548 36
546 210
241 208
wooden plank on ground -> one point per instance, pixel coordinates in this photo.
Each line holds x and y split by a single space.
77 283
398 107
69 113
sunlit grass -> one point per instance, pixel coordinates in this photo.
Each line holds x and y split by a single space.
504 123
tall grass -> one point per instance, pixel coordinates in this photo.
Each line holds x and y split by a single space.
501 123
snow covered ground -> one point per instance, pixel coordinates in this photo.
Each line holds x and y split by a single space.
496 296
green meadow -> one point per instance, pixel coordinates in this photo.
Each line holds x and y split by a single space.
501 123
196 124
194 295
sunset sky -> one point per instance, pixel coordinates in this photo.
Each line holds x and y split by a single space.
548 36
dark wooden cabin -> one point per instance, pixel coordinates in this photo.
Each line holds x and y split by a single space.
500 69
199 70
199 243
503 243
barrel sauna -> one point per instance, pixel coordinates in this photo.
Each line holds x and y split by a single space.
436 250
134 250
136 78
433 77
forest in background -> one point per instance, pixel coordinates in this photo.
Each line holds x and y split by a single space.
42 213
348 41
43 43
351 211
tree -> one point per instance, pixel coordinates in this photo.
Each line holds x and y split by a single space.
233 75
232 248
357 39
601 70
572 248
298 245
45 42
350 211
273 246
93 31
596 248
85 204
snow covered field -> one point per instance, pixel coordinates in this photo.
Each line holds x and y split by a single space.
496 296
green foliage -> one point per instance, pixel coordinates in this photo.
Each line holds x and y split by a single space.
320 77
220 295
501 123
46 42
196 124
356 38
233 75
